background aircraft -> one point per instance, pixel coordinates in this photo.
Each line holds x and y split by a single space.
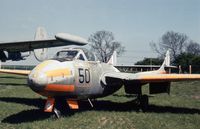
75 74
16 51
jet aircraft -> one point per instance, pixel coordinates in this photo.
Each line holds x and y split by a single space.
75 74
17 51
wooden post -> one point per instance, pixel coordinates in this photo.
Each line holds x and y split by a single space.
179 69
190 69
169 70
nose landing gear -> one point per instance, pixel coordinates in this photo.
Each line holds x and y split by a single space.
58 106
61 107
57 113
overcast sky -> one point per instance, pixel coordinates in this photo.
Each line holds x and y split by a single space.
135 23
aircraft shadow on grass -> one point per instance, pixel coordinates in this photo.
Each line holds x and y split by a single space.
100 105
12 84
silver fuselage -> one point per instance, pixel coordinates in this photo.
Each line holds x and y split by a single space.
71 79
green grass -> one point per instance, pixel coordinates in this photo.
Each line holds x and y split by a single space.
20 108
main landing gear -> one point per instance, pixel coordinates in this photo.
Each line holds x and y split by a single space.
143 101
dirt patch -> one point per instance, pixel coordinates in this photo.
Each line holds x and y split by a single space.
196 97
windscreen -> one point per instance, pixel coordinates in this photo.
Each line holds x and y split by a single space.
66 55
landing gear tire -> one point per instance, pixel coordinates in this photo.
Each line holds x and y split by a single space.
59 107
144 102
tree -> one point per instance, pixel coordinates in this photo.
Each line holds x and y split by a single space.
150 61
193 48
103 44
186 59
171 40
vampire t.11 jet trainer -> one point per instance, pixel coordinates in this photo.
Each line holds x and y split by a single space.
75 74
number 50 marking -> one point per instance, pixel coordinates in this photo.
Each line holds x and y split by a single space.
84 75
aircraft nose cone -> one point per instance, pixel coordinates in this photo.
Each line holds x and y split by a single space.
37 80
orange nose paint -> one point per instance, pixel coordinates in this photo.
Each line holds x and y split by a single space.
60 87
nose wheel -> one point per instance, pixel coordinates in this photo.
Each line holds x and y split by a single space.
60 107
57 113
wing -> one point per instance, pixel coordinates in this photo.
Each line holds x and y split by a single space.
148 77
18 72
61 39
158 82
159 75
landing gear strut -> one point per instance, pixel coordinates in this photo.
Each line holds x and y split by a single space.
60 107
57 113
143 101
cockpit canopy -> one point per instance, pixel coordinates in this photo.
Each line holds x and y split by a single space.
69 54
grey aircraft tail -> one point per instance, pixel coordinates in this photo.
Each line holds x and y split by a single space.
41 54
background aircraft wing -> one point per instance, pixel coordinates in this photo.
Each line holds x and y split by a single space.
61 39
29 45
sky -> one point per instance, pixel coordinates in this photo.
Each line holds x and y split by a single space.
134 23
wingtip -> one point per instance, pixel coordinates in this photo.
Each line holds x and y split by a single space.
73 38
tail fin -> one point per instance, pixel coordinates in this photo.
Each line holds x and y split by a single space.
41 54
166 62
113 59
40 33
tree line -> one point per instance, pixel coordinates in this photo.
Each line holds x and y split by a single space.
184 51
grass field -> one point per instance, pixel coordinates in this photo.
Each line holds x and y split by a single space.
20 107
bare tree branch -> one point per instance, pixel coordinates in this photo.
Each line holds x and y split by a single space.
174 41
103 44
193 48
